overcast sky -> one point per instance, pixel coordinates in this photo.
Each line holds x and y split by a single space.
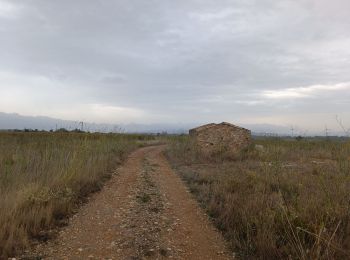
157 61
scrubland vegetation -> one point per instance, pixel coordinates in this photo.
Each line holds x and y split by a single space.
287 200
44 176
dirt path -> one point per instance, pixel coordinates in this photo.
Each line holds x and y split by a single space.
143 212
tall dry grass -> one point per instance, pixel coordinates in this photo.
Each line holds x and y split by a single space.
289 201
43 176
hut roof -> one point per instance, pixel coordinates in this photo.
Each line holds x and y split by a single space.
207 126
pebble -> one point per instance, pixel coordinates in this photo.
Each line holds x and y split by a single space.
147 231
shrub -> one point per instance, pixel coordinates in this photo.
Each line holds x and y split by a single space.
43 176
290 201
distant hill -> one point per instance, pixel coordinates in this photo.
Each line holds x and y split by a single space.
16 121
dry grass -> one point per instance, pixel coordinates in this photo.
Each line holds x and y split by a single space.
44 176
290 201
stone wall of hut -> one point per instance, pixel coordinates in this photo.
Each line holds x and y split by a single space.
222 138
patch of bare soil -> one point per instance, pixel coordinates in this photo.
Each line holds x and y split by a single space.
143 212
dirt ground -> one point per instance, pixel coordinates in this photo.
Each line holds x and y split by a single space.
143 212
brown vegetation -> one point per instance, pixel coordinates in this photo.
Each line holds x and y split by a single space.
143 212
289 200
43 176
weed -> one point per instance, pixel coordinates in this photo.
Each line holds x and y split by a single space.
44 176
144 198
289 201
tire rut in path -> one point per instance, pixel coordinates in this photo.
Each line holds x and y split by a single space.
143 212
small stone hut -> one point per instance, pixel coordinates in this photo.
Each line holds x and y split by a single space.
224 138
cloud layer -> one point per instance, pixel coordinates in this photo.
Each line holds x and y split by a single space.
246 61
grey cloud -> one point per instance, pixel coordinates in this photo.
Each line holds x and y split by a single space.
174 60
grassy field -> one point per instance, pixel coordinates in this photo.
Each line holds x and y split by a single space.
290 200
44 176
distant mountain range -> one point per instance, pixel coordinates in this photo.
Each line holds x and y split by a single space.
16 121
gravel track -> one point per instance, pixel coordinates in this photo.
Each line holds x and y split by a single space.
144 212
